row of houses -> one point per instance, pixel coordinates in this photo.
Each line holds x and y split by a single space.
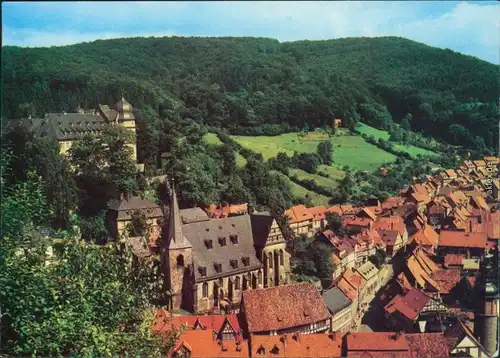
292 321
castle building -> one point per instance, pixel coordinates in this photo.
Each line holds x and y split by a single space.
208 263
487 315
67 128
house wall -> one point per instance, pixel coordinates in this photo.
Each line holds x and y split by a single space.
64 146
467 346
342 320
303 228
270 257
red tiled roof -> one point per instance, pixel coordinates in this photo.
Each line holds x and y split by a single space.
297 345
335 210
375 343
201 344
216 212
213 322
453 260
350 283
427 345
298 213
318 212
392 202
462 239
426 237
283 307
390 223
409 305
446 279
357 221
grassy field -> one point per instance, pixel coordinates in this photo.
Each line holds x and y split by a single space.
299 192
377 133
349 150
318 179
213 139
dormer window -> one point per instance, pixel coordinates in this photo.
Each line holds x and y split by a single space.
234 263
234 239
222 241
208 244
218 267
275 350
203 271
246 260
261 350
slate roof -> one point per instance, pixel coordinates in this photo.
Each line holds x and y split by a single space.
261 226
336 300
68 126
282 307
196 234
193 215
125 208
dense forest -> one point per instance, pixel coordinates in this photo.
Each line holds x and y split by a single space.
261 86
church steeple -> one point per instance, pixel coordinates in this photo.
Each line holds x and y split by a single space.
176 239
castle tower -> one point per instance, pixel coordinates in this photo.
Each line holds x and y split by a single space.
487 315
125 117
177 258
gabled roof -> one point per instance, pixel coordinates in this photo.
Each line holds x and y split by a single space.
261 227
390 223
427 345
318 212
200 233
297 345
367 270
426 237
201 344
283 307
409 305
457 332
368 212
298 213
193 215
68 126
126 207
336 300
376 343
462 239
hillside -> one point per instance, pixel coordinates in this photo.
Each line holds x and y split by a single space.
257 86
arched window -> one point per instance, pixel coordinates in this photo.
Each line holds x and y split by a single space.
281 258
204 289
237 283
260 277
270 260
180 260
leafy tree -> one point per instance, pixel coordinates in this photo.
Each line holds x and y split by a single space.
325 152
406 122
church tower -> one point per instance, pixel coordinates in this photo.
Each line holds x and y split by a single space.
487 315
125 117
177 259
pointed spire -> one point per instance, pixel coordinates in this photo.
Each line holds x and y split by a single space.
176 238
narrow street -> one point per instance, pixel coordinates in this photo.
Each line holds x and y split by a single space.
369 318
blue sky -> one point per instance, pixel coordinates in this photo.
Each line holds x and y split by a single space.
469 27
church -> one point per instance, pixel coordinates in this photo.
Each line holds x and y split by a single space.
208 263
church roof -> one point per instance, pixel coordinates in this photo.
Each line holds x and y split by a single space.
126 207
261 226
230 239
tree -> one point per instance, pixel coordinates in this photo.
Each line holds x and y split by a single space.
325 152
406 122
84 300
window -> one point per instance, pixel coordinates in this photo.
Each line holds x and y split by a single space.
234 239
246 260
202 270
237 283
222 241
261 350
218 267
260 277
180 260
270 260
208 244
275 350
234 263
204 289
281 257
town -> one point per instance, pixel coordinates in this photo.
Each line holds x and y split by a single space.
250 179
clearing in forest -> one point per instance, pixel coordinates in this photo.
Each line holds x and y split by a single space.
213 139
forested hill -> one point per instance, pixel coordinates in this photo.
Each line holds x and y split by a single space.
259 85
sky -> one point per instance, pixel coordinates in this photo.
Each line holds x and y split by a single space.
469 27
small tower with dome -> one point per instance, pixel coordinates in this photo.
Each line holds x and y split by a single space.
125 117
487 315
